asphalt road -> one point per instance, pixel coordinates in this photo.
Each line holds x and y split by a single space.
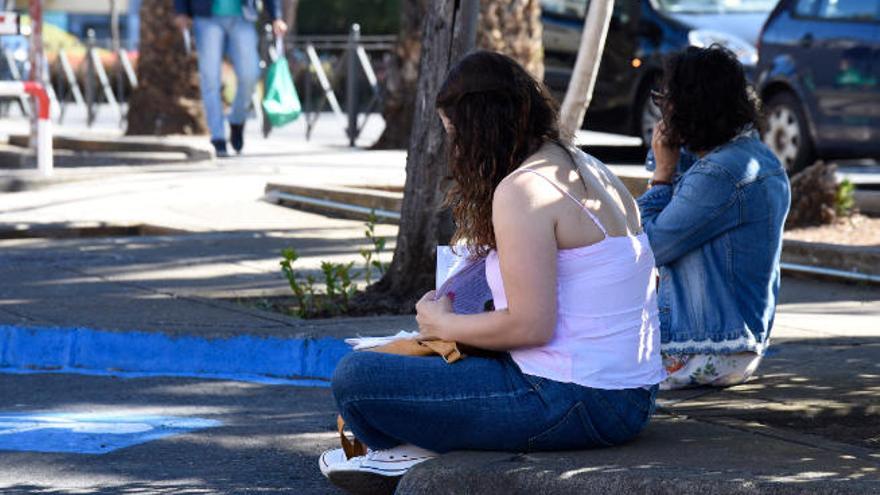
268 440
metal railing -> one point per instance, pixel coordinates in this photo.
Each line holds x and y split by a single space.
328 58
352 53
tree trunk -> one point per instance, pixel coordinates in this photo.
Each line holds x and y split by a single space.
586 68
423 220
402 77
167 99
512 27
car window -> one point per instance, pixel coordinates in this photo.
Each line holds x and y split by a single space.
625 12
806 8
714 6
859 10
566 8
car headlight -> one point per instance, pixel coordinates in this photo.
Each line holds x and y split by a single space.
744 51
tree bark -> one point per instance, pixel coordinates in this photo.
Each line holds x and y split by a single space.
512 27
423 220
586 68
402 77
167 99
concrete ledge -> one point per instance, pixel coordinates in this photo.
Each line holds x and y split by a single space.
634 178
867 201
16 157
673 456
83 229
356 202
858 259
193 148
340 201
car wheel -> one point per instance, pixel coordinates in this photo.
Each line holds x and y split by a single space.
787 134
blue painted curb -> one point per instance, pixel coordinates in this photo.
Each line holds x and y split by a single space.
294 361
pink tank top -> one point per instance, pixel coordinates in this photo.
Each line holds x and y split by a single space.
607 333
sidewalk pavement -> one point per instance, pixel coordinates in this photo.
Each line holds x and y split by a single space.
809 423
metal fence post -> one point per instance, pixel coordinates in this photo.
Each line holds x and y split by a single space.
354 38
90 78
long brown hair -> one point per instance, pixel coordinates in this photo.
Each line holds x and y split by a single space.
500 115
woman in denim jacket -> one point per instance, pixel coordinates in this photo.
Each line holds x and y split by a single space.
714 215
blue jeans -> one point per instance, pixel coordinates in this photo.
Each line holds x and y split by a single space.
236 37
479 403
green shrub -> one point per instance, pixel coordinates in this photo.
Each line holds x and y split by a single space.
844 201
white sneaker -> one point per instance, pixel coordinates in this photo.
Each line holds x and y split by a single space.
377 472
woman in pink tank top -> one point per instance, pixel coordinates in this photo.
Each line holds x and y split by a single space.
573 336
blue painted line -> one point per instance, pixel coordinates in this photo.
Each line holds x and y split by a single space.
293 382
288 361
89 432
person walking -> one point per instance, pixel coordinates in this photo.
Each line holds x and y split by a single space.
227 27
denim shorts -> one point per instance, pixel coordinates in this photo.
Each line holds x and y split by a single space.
480 403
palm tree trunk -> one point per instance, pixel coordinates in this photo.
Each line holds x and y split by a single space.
512 27
586 68
402 77
167 99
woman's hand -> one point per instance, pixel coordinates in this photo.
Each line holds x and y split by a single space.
666 154
182 21
279 27
430 315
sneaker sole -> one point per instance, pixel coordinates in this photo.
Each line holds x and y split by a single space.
364 482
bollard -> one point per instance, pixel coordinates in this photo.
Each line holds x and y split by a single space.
354 38
43 141
35 57
90 78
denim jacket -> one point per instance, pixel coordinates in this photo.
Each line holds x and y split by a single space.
717 237
249 10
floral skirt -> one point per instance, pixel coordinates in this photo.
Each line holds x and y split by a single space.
715 370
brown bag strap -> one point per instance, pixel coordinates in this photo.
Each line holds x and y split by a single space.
352 448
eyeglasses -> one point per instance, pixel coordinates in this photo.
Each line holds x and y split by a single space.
658 97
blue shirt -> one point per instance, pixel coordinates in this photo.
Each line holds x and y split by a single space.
205 8
226 8
717 238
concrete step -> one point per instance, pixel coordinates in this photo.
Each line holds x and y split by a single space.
855 262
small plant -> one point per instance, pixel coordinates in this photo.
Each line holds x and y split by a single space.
347 287
368 254
339 278
844 200
300 291
330 278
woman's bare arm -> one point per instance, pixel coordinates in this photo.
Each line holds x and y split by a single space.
524 222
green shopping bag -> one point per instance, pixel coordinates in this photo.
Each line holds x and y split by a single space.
280 101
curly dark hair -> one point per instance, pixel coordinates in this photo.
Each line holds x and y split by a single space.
706 100
500 115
